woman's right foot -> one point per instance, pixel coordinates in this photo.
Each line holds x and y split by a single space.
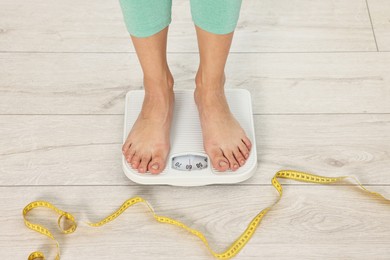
147 145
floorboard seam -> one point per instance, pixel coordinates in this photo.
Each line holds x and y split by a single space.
372 26
189 52
214 186
255 114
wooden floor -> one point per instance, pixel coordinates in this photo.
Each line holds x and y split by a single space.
319 75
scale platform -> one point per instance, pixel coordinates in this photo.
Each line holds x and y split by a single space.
187 163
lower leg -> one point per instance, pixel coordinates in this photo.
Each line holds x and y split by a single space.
147 144
151 52
224 140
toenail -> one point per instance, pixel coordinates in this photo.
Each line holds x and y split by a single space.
222 163
133 165
246 155
242 161
235 166
155 166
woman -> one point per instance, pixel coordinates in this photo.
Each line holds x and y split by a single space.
147 145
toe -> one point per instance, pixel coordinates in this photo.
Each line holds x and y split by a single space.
247 142
232 161
239 157
129 155
135 161
126 146
243 149
143 166
218 160
156 165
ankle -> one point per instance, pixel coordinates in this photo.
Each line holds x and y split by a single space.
208 88
209 81
159 83
207 100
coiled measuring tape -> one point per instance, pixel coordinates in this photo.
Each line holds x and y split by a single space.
232 250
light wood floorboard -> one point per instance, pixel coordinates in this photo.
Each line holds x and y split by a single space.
86 150
380 16
311 222
280 83
264 26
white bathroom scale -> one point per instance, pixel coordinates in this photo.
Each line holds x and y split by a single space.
187 163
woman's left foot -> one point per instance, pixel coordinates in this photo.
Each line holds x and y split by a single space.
224 139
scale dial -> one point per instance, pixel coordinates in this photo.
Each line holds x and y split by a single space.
189 162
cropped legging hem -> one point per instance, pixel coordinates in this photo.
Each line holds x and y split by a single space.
216 28
149 30
144 18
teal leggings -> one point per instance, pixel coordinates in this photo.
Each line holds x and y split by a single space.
144 18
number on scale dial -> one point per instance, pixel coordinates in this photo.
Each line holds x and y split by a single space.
189 162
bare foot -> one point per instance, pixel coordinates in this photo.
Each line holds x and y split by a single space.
147 145
223 138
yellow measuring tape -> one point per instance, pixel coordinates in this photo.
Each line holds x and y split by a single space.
233 249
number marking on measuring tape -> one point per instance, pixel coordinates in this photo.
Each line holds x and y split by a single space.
232 250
